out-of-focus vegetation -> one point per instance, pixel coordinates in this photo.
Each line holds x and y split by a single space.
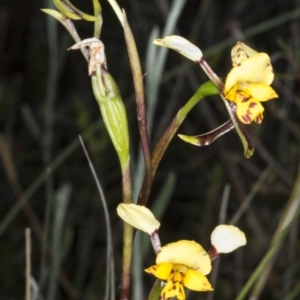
46 102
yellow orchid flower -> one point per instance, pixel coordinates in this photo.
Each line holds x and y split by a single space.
248 83
182 264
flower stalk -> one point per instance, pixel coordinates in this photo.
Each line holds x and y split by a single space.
207 89
140 108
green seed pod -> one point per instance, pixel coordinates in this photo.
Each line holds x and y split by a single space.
113 112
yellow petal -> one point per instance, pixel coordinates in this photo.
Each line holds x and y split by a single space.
232 93
227 238
260 91
196 281
181 45
173 289
256 69
241 52
138 216
188 253
161 271
259 117
248 109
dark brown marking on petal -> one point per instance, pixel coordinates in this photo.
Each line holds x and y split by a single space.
245 99
154 268
239 64
251 105
246 118
258 119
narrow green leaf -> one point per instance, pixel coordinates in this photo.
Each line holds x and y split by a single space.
68 24
72 12
155 291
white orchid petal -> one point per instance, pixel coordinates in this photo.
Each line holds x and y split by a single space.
227 238
181 45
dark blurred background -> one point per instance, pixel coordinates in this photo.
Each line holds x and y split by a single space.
46 102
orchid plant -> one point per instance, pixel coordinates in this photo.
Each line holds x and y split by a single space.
181 264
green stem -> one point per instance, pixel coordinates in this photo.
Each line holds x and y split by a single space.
98 14
207 89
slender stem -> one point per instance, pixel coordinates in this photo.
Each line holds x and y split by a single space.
231 108
28 262
211 74
239 127
206 89
163 144
98 14
141 109
127 237
155 240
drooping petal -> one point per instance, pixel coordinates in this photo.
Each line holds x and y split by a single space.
248 109
241 52
196 281
208 137
226 238
255 69
260 91
259 118
139 217
172 289
161 271
188 253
